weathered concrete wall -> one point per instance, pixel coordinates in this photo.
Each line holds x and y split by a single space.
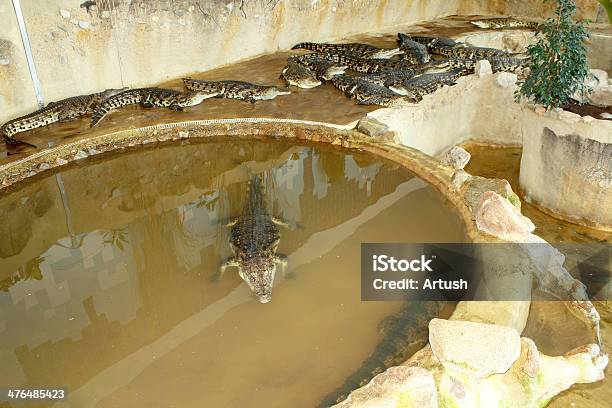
454 111
566 165
16 89
137 42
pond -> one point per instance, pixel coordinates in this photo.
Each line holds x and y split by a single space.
110 283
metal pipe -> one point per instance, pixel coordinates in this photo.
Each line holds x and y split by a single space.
28 51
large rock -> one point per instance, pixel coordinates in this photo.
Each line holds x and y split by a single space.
530 382
495 215
601 96
457 158
506 79
398 386
477 349
459 178
477 185
483 68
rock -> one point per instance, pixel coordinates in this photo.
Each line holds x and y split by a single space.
495 215
372 127
532 380
506 79
85 25
65 14
605 115
457 158
569 117
483 67
601 96
80 155
505 313
398 386
459 178
477 185
601 76
476 349
60 162
44 166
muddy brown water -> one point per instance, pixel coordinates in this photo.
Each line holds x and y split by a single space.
109 280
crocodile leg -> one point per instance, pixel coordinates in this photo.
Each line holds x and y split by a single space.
215 277
228 263
280 222
16 142
66 115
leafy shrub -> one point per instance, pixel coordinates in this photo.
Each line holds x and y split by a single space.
558 63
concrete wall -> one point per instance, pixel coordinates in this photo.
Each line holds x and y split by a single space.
566 165
457 112
137 42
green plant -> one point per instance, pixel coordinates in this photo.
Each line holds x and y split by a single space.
558 63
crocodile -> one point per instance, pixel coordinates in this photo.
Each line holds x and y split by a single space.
466 52
428 83
402 334
414 52
245 91
363 50
254 240
385 78
370 65
149 97
498 63
60 111
429 41
500 23
323 68
299 75
369 93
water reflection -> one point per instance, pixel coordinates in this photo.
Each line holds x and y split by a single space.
120 277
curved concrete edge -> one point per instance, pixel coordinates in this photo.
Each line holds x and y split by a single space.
566 165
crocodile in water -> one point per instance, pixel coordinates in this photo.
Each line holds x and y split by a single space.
402 334
245 91
60 111
254 240
149 97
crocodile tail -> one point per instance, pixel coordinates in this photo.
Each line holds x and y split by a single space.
302 46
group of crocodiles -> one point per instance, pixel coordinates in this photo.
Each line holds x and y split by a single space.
391 77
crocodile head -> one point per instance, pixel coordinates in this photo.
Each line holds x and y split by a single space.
111 92
258 273
196 97
300 77
272 93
